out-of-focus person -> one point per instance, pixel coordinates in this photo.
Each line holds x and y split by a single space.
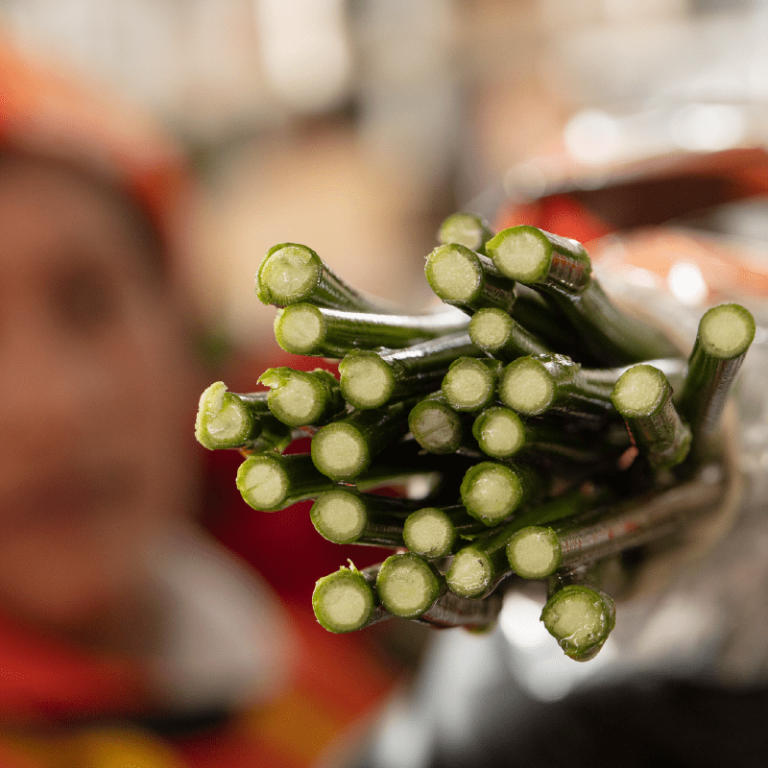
127 635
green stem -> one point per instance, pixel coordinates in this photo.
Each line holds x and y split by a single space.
408 585
534 384
470 383
228 420
305 329
477 568
436 426
345 601
725 334
300 398
580 618
371 379
467 279
345 516
562 268
532 256
492 490
500 335
467 229
432 532
643 397
343 449
291 273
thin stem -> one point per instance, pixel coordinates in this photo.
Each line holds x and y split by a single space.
725 334
643 397
639 520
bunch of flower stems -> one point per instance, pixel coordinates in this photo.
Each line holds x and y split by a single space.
551 430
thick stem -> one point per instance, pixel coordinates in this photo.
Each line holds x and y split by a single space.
436 426
344 449
408 585
370 379
344 516
345 601
532 385
725 334
432 532
470 383
305 329
291 273
500 335
227 420
643 397
301 398
580 618
477 568
492 490
468 280
467 229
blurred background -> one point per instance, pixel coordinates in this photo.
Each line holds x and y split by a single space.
355 126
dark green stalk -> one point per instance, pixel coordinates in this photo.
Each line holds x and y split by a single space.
534 257
500 335
432 532
610 530
345 516
436 426
408 585
542 318
450 610
467 229
499 431
492 490
562 268
229 420
343 449
477 568
291 273
371 379
470 383
643 397
534 384
300 398
305 329
580 618
345 601
467 279
270 482
725 334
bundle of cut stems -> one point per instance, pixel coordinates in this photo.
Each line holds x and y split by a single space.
555 429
